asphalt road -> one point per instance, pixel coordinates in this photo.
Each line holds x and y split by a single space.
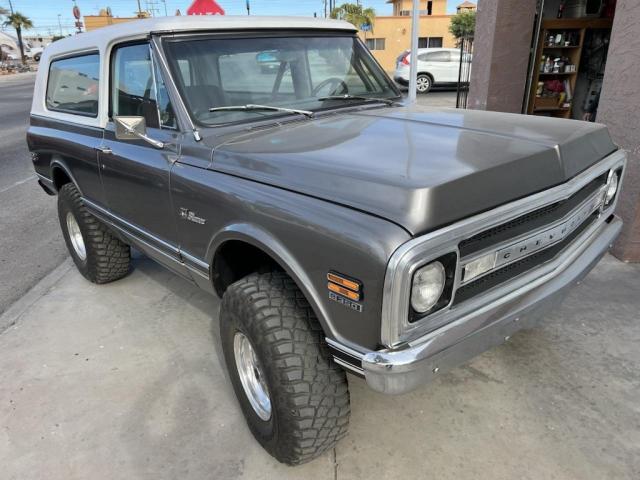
31 244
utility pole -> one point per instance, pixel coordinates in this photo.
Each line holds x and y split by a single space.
139 10
248 8
11 7
165 8
413 61
60 25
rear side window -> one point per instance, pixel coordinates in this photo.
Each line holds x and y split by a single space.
442 56
73 85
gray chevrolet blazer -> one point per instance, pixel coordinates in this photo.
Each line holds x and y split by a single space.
271 161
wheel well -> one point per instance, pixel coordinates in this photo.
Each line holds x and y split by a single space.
427 74
236 259
59 177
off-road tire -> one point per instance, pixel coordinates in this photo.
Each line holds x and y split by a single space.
107 257
308 391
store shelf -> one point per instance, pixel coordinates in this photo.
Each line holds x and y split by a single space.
556 74
552 109
560 47
577 27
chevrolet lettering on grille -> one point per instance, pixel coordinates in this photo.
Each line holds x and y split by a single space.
544 239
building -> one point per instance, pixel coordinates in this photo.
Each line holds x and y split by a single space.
104 19
391 35
466 7
37 41
506 77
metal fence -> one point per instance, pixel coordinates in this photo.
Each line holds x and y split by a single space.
464 74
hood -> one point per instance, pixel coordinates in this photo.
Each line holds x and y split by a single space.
419 168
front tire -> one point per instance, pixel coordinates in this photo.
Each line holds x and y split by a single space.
294 397
99 255
424 83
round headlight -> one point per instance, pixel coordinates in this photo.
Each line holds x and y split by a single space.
428 283
612 188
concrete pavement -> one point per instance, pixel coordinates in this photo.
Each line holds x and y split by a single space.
126 381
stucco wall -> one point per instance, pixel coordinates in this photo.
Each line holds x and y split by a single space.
620 110
397 34
501 54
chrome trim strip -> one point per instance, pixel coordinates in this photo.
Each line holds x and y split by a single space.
344 349
348 366
46 180
196 265
103 211
395 326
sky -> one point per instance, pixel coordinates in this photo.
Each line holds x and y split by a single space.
44 13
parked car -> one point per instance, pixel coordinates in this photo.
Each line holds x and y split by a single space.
36 53
436 67
344 230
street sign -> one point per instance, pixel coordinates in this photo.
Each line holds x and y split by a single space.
205 7
365 27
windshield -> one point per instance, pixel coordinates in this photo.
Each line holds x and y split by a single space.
296 72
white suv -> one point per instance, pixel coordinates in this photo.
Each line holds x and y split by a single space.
436 66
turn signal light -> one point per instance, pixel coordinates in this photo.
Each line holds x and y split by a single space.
343 291
343 282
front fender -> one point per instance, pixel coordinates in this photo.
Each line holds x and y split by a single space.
307 236
268 243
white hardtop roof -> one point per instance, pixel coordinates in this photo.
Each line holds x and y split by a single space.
101 37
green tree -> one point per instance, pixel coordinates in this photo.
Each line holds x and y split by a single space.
354 14
463 24
19 22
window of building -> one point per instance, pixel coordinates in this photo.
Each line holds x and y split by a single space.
73 85
430 42
375 43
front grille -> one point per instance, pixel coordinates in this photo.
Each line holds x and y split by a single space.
530 221
518 267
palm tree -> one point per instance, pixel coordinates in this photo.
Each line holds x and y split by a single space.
354 14
19 21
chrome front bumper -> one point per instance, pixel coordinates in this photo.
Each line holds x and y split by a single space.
400 370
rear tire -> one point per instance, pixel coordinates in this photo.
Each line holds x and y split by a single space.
100 256
425 82
307 410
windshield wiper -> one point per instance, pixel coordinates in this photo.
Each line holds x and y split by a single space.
251 106
346 96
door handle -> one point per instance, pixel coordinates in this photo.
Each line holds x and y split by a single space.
104 150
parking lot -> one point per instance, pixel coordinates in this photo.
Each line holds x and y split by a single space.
127 381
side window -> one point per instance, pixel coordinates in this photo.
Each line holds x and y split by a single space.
73 85
442 56
165 108
133 91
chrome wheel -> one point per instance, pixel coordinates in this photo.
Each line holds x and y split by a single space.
251 376
75 235
424 84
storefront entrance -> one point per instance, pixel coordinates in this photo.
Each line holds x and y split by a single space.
570 51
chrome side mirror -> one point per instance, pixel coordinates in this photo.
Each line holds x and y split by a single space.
134 128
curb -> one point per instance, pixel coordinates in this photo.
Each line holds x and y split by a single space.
12 315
